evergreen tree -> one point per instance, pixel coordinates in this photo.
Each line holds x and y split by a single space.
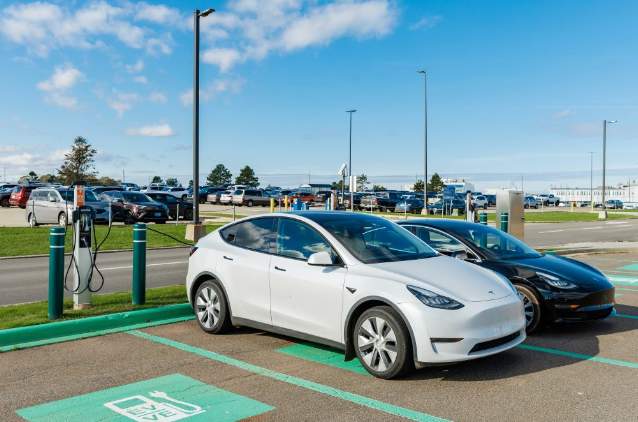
157 179
436 185
32 176
107 181
219 176
362 183
171 181
379 187
247 177
418 186
78 163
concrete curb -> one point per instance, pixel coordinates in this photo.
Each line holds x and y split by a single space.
582 251
107 251
16 337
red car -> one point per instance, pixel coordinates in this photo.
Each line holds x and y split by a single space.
20 195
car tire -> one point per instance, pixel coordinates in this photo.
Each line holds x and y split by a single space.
484 206
128 218
393 345
532 308
62 219
382 209
556 203
188 215
250 203
211 308
33 222
5 203
183 197
536 207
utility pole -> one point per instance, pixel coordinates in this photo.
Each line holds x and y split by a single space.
604 157
425 172
591 180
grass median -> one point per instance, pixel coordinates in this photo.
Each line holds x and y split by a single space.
21 241
23 315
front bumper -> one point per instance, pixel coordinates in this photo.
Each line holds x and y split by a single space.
484 328
581 308
152 215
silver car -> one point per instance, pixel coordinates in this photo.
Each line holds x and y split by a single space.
55 205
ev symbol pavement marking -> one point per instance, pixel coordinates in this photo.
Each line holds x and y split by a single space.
169 398
141 409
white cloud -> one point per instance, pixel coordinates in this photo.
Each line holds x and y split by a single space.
135 68
64 78
161 130
122 102
163 45
426 22
564 113
219 86
157 98
140 79
224 58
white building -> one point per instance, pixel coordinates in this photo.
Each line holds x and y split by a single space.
460 185
623 192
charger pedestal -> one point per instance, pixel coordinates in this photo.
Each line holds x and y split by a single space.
194 232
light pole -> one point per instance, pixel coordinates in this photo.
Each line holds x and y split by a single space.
197 15
604 157
350 163
425 171
591 180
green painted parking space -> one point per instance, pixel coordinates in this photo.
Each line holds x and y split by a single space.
622 280
631 267
164 399
324 355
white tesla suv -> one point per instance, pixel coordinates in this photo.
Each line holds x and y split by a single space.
356 282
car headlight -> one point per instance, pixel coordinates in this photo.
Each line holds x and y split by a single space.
434 300
556 282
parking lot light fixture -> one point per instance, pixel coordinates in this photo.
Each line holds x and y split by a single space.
197 14
350 161
605 122
591 180
425 170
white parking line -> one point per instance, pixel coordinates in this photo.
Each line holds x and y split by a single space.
591 228
552 231
148 265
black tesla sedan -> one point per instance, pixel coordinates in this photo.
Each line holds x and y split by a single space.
554 289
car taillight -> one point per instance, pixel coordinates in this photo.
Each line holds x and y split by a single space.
376 201
243 198
193 250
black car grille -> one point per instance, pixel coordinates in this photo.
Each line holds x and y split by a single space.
479 347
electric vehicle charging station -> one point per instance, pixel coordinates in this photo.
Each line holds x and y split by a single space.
82 218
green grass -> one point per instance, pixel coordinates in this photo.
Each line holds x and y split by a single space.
37 313
19 241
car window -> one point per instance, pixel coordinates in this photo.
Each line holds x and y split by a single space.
252 234
237 192
51 196
134 197
168 198
440 242
298 240
497 244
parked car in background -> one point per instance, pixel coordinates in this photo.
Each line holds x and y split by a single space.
185 208
356 200
479 201
585 204
98 190
304 196
382 201
554 289
20 194
203 193
5 195
353 281
214 196
322 195
447 207
630 205
613 204
137 206
548 200
129 186
52 205
176 191
530 202
491 200
5 186
410 206
251 197
226 197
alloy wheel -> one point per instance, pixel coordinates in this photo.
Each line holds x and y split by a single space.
377 344
208 310
528 307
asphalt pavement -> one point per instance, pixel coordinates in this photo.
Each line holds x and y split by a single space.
549 235
26 279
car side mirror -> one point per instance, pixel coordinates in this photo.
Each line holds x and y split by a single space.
320 259
53 200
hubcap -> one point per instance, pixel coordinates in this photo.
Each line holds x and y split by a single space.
377 344
529 309
207 307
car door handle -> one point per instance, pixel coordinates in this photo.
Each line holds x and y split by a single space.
230 259
279 269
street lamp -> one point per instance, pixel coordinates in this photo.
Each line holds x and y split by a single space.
425 172
591 180
197 15
350 162
604 157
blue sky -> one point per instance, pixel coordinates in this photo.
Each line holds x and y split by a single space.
513 88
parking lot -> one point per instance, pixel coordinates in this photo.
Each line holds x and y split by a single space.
583 372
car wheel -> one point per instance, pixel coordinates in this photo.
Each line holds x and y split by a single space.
484 206
382 343
5 202
536 207
128 218
211 308
62 219
382 209
188 215
556 203
32 220
531 305
183 197
250 203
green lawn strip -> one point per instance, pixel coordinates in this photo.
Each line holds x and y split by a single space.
20 241
23 315
221 214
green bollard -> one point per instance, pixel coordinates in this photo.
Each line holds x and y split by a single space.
504 221
56 272
139 264
483 218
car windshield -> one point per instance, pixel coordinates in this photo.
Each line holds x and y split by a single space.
136 197
495 244
373 240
